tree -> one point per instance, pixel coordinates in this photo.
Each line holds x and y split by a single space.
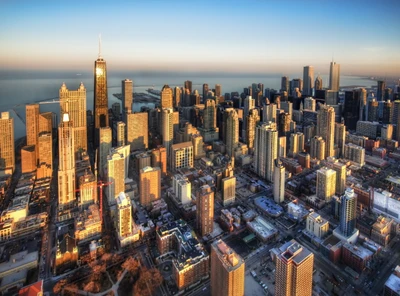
59 286
148 281
132 265
92 286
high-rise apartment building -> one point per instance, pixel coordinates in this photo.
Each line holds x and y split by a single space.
340 169
308 80
159 159
28 159
105 136
182 156
294 270
380 91
249 104
7 150
210 114
228 185
388 108
205 92
218 90
177 97
279 181
373 110
121 130
296 144
317 148
282 146
334 76
188 86
265 150
252 119
115 175
310 104
166 97
317 225
227 271
66 166
205 210
285 84
137 135
100 99
127 98
352 107
231 126
326 128
348 210
269 113
354 153
149 185
326 184
73 102
182 188
46 122
318 83
32 124
124 224
45 147
167 128
340 137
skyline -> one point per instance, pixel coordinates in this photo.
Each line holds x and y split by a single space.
251 36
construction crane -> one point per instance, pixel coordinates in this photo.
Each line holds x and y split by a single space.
100 184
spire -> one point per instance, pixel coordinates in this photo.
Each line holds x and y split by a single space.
99 45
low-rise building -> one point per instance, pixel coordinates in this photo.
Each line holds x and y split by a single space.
317 225
357 257
88 225
263 230
392 285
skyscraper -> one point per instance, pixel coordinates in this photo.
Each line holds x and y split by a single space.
188 86
205 92
351 110
318 83
137 135
269 113
296 144
100 98
249 104
45 147
347 215
32 124
7 151
326 128
308 79
285 84
182 155
252 119
334 76
380 90
231 126
166 97
265 150
317 148
218 91
373 106
121 129
167 128
105 134
46 122
66 167
73 102
177 97
388 107
124 215
127 98
279 181
326 184
149 185
310 104
159 159
340 137
210 114
28 159
227 271
294 270
115 175
205 210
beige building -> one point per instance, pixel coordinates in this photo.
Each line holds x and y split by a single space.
88 225
326 184
159 159
46 122
7 150
265 150
73 102
166 97
32 124
279 181
198 150
205 210
317 225
182 156
121 129
45 147
116 175
354 153
87 189
294 270
231 129
167 128
227 271
340 138
252 119
28 159
296 144
340 169
137 135
317 149
326 128
105 134
210 115
149 185
228 185
382 230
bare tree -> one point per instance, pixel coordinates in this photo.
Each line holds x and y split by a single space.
92 286
59 286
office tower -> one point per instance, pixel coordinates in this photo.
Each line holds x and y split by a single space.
227 271
32 124
127 98
167 128
294 270
124 224
228 184
282 146
285 84
28 159
177 97
218 90
188 86
121 129
334 76
205 210
351 109
166 97
249 104
279 181
265 150
116 110
373 107
73 102
137 135
362 92
252 119
100 99
308 79
387 112
296 144
296 83
326 128
231 126
317 149
397 120
45 147
182 188
309 132
66 165
87 189
7 151
347 215
105 135
340 137
354 153
326 184
210 114
45 123
205 92
125 152
149 185
269 113
284 124
387 132
159 159
318 83
340 169
115 175
396 111
287 107
197 143
182 156
380 90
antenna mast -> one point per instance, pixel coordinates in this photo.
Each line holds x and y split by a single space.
99 45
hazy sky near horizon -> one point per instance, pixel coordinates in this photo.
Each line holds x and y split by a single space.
251 36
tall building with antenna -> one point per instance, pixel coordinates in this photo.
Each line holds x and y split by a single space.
334 76
100 99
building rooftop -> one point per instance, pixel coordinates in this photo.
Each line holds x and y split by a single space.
293 251
18 260
268 206
32 290
358 251
229 258
393 283
181 145
262 227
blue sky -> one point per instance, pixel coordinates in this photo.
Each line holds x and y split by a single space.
249 36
